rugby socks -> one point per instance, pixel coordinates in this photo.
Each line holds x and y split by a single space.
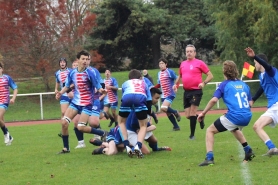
173 121
139 144
5 130
79 134
246 147
97 131
269 144
193 120
172 111
66 141
153 146
209 155
126 143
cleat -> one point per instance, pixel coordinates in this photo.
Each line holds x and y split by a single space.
271 152
176 129
97 151
64 152
80 144
138 152
10 141
95 141
177 115
207 162
202 124
7 138
164 148
103 138
60 134
249 155
129 151
192 137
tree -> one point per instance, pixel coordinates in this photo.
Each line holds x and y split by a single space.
245 23
133 29
35 34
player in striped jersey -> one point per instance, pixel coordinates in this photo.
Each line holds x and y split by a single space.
60 77
111 99
85 82
6 82
166 79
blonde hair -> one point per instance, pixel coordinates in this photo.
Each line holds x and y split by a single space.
230 70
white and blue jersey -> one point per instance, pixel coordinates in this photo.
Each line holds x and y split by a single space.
148 82
135 96
115 134
236 95
166 79
6 82
85 83
61 76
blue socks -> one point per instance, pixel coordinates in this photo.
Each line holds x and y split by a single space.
139 144
66 141
170 110
173 121
269 144
5 130
209 155
79 134
153 146
97 132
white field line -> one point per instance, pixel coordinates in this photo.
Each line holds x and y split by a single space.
245 174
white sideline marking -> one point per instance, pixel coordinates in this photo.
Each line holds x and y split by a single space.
245 174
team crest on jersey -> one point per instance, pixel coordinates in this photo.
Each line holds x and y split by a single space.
94 108
191 67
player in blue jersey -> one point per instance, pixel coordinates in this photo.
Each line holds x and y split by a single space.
113 144
132 125
93 120
111 99
6 82
166 79
150 85
60 77
136 96
269 84
85 82
236 95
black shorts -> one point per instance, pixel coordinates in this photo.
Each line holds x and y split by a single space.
192 97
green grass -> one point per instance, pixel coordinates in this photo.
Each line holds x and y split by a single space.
32 159
28 108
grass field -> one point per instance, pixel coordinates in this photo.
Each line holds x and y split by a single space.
28 108
32 159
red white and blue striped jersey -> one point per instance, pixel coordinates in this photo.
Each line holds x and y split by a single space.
85 83
61 76
112 95
136 86
5 83
99 79
166 79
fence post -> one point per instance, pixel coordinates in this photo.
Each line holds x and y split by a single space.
41 104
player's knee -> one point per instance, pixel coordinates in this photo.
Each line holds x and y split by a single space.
66 119
164 108
81 124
